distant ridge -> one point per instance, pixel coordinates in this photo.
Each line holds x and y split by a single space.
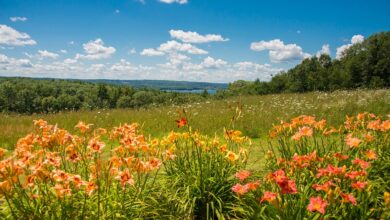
155 84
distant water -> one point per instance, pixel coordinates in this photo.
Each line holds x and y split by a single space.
198 91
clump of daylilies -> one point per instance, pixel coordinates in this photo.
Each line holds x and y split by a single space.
323 171
93 173
79 174
311 171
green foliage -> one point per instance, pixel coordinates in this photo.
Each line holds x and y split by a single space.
364 65
325 163
23 95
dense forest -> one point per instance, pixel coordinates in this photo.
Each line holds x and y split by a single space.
25 95
363 65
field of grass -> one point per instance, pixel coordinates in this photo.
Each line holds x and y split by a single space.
311 169
259 113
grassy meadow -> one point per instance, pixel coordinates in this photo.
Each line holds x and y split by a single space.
242 164
210 117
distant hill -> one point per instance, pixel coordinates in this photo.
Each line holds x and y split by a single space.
163 84
153 84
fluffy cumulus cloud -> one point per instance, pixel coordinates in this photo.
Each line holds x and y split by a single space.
354 40
262 71
324 50
210 62
174 1
16 19
12 37
9 63
194 37
178 67
280 52
95 50
151 52
47 54
172 46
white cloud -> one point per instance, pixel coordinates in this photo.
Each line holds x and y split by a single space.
10 36
70 61
194 37
96 50
207 64
64 51
8 63
174 46
178 67
174 1
280 52
71 42
324 50
251 71
133 51
177 58
151 52
15 19
354 40
123 66
210 62
357 39
47 54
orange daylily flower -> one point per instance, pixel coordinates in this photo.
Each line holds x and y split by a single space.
348 198
370 154
354 174
90 187
2 152
5 186
62 190
252 185
363 164
359 185
242 175
368 137
374 125
77 181
232 156
125 178
324 187
317 204
340 156
95 145
83 127
268 196
331 170
385 125
169 155
352 141
240 189
40 123
181 123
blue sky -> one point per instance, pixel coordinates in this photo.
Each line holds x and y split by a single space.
197 40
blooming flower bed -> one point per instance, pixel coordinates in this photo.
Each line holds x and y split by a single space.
312 171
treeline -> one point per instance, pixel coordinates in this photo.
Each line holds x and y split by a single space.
25 95
363 65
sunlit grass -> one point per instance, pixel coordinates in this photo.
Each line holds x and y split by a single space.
259 113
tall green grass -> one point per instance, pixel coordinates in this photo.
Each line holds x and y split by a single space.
259 113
